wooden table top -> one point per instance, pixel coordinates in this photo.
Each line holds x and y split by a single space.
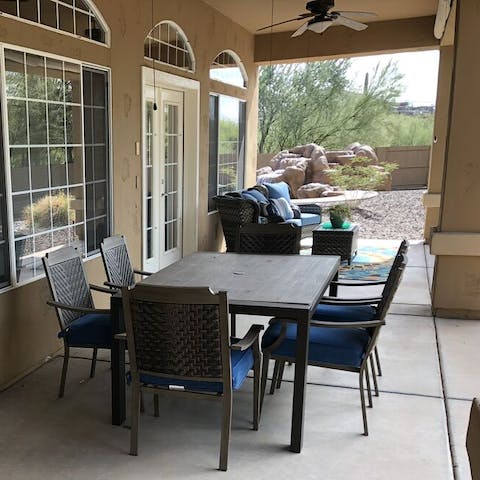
293 281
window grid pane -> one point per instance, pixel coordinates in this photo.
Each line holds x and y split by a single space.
97 182
226 146
225 68
48 159
74 17
166 44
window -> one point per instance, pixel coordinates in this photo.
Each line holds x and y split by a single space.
228 68
167 44
57 140
226 146
4 249
77 17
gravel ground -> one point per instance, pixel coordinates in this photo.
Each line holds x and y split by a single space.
392 215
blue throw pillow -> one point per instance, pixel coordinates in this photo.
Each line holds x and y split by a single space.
278 190
259 196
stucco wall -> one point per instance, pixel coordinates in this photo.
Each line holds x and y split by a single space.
27 326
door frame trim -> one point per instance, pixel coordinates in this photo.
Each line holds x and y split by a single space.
191 116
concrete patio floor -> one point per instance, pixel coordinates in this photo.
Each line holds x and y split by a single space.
430 366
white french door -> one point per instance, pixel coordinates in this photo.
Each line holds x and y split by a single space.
163 177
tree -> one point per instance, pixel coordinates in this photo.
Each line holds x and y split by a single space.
316 102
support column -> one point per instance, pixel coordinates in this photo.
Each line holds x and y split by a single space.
431 199
456 284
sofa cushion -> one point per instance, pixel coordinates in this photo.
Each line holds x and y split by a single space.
310 219
278 190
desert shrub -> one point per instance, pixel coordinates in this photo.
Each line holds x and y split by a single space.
40 211
361 174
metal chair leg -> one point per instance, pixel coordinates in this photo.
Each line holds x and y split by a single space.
257 367
94 362
226 426
374 376
362 402
276 370
266 360
377 359
280 375
63 377
136 394
156 405
369 389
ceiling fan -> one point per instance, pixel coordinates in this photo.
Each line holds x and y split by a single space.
322 17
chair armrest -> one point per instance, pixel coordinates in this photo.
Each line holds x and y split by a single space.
97 288
120 336
341 324
355 283
64 306
249 339
349 301
113 286
142 272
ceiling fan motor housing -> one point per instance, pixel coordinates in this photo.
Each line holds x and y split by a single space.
320 7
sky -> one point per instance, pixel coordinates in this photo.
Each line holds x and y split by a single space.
420 70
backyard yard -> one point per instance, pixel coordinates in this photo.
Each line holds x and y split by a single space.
392 215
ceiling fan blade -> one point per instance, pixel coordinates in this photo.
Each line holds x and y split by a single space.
365 15
300 17
301 30
320 27
348 22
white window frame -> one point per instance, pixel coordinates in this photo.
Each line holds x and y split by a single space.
6 153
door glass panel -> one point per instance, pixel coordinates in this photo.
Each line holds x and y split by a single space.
149 178
171 139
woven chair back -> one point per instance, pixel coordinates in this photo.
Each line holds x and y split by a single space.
391 285
269 238
177 332
68 283
235 211
117 263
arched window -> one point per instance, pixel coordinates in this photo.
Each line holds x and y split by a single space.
76 17
167 44
228 68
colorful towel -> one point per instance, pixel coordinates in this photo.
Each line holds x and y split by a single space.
370 263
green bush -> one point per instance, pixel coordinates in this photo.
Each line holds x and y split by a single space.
360 174
40 211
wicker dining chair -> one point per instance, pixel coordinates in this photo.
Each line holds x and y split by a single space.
269 238
118 266
335 308
81 324
339 345
178 343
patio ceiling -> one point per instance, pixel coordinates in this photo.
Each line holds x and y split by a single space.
254 14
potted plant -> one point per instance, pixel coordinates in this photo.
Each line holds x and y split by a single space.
338 214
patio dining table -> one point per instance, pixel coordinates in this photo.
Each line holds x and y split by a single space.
268 285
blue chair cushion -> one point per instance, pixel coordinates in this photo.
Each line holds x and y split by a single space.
278 190
242 363
310 219
338 313
93 329
328 346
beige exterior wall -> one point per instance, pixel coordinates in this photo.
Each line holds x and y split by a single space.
27 327
440 130
456 285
